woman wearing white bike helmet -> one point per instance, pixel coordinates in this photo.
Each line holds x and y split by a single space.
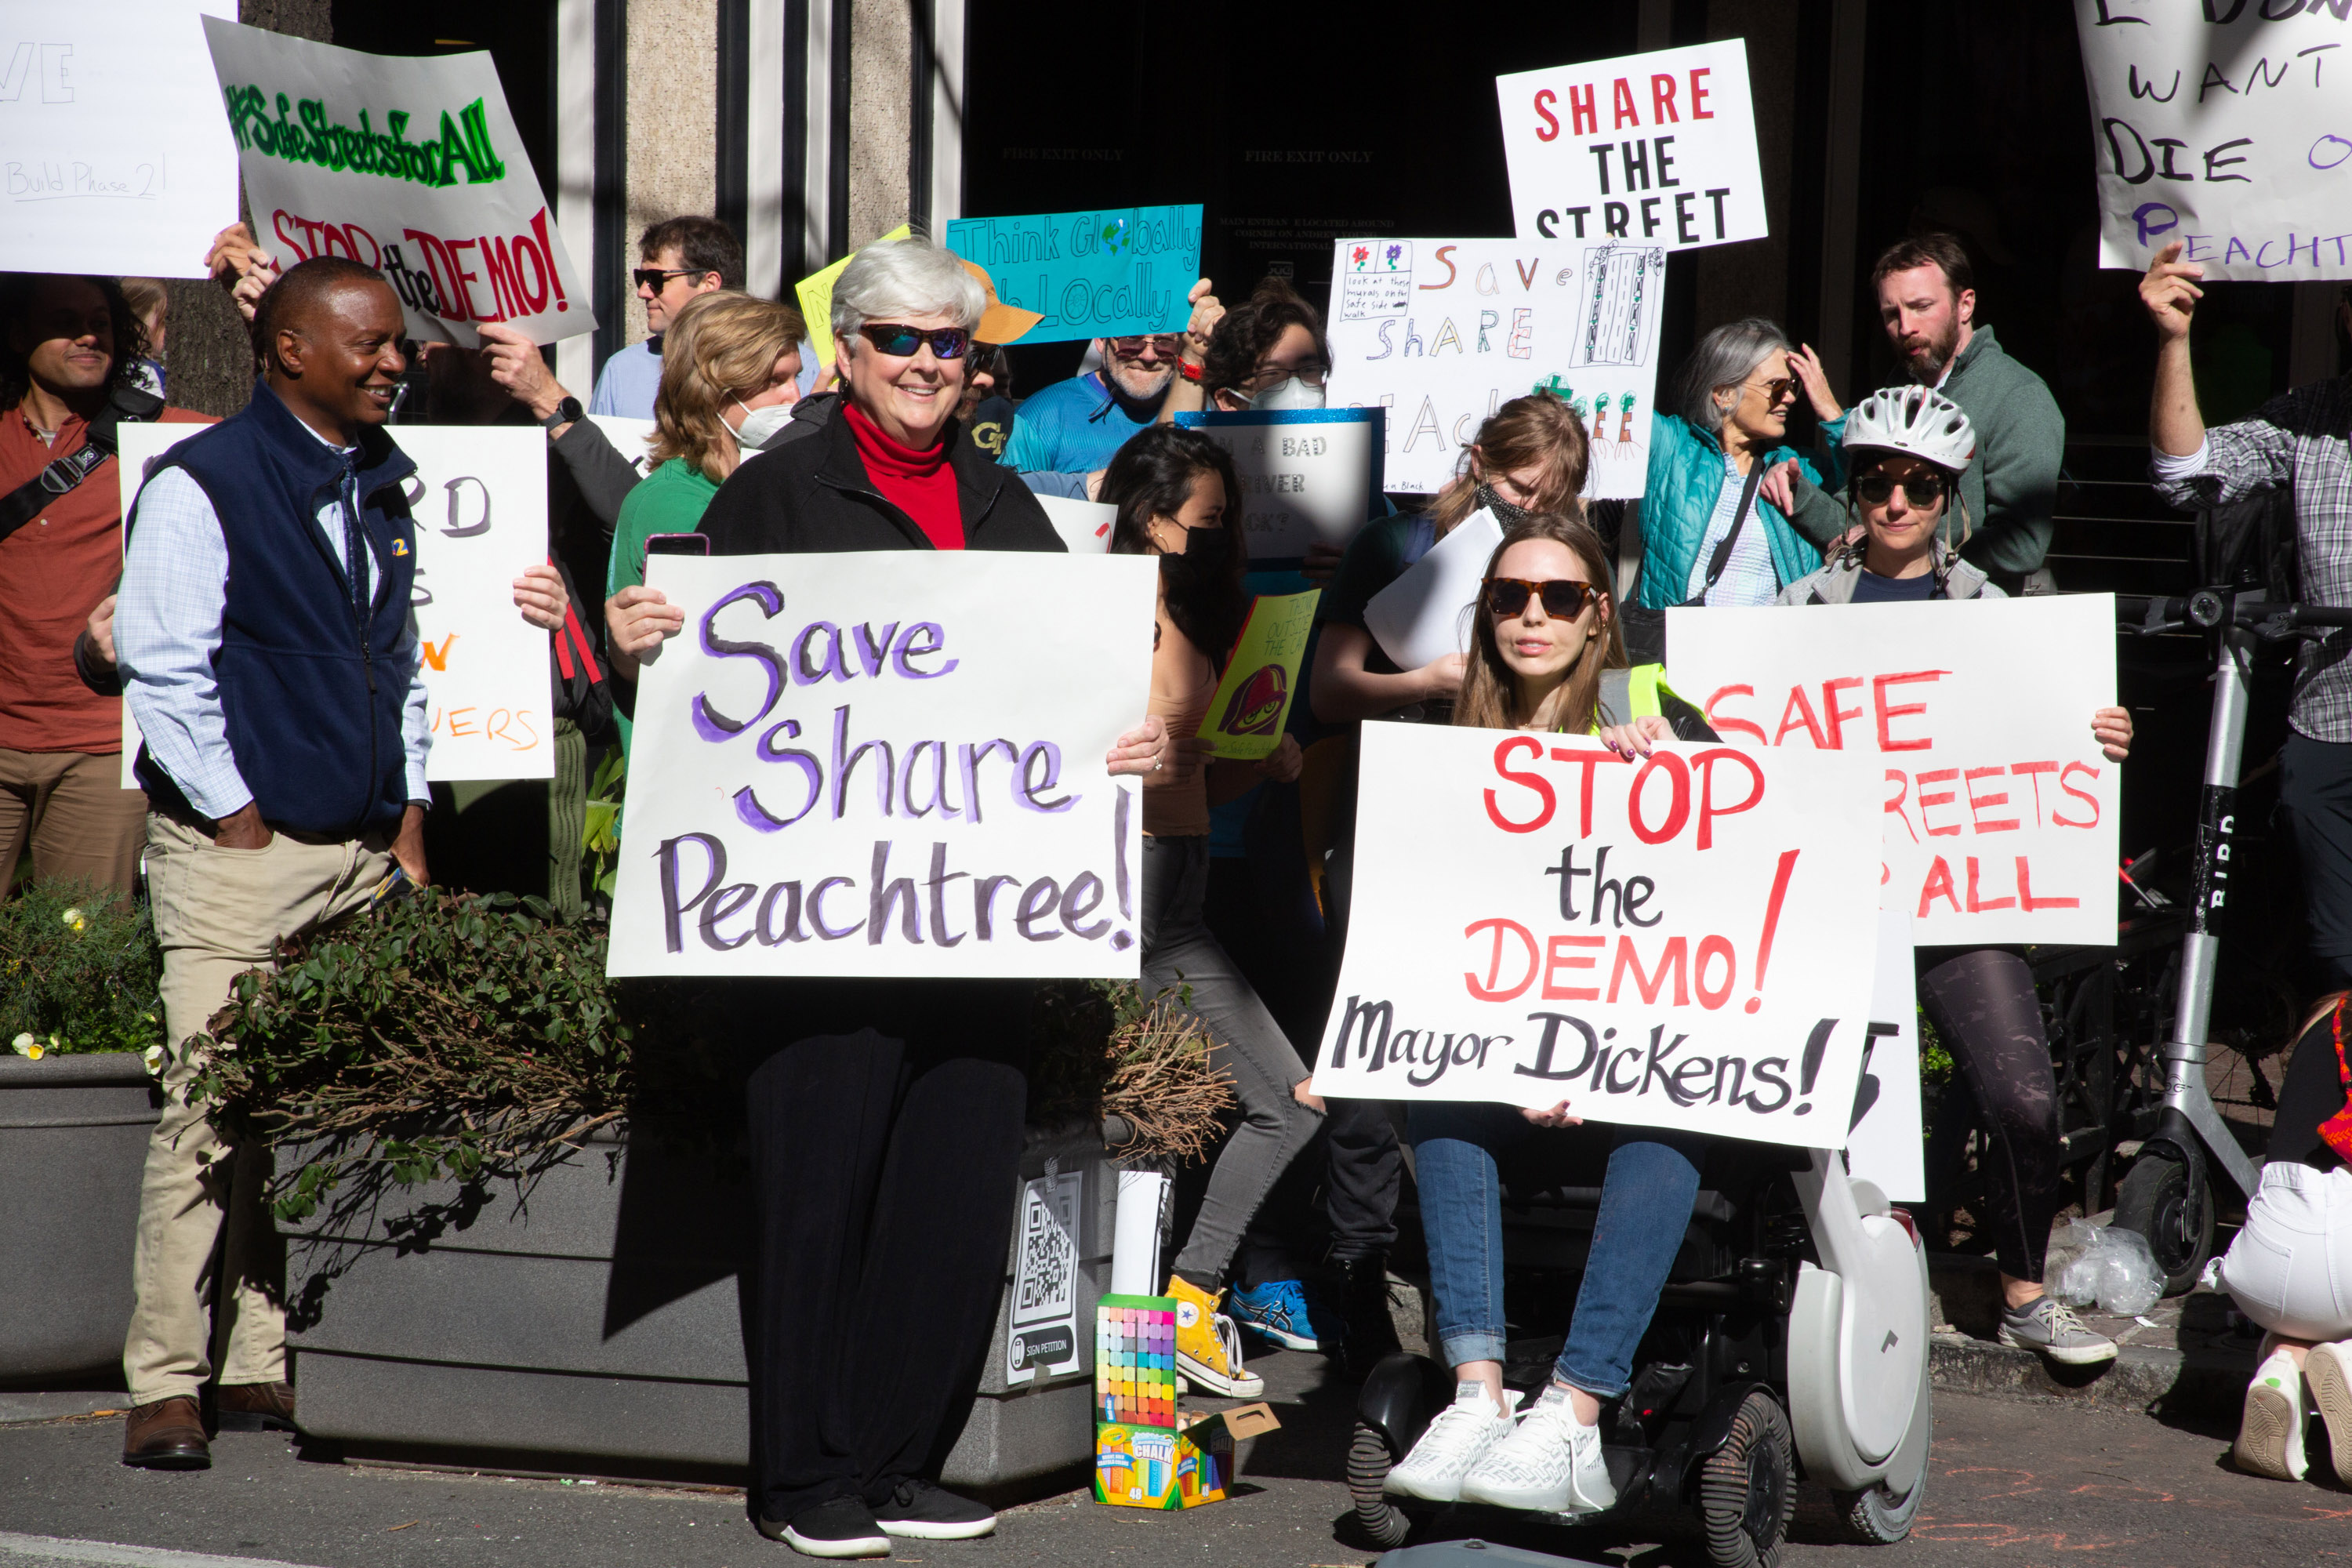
1907 448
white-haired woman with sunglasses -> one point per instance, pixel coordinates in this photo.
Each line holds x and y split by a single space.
884 1116
1906 448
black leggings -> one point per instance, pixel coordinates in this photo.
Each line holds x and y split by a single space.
1982 1003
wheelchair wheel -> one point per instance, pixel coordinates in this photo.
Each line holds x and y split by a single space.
2171 1205
1877 1517
1369 1463
1747 1489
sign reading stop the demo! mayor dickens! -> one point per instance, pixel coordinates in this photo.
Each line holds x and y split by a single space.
1651 149
1684 941
888 764
1108 273
411 166
1998 807
2226 127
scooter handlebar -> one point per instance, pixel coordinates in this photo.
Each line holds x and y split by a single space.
2208 608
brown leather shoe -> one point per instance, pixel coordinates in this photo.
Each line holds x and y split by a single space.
255 1407
168 1434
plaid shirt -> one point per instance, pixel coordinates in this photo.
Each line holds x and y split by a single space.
2299 440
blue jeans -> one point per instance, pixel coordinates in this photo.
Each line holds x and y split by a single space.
1646 1207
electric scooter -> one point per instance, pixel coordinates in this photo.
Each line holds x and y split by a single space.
2168 1197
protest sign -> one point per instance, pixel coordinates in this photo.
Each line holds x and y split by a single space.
2221 129
1252 703
815 295
888 764
1682 942
1426 614
1113 272
1887 1145
1084 525
1307 475
115 154
1998 808
479 498
1654 150
630 437
1441 332
412 166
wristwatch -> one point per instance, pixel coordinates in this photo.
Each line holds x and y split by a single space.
567 412
1190 371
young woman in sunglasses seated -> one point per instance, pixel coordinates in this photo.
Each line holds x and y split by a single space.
1549 657
1906 448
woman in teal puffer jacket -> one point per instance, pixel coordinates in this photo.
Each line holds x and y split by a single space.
1731 400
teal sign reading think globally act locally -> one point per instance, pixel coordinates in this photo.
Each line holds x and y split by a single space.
1110 273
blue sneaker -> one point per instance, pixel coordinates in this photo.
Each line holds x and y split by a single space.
1283 1311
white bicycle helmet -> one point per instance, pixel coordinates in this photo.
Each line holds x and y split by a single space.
1916 420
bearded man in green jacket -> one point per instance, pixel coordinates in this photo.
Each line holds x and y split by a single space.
1927 301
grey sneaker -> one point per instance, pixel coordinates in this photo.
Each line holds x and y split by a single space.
2050 1326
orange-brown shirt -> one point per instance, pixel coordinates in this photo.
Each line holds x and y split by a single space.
1183 682
53 571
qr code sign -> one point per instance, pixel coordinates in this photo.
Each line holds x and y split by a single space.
1046 1280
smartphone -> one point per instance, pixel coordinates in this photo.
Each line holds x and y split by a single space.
678 544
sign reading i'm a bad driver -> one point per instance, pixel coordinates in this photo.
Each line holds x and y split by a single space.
1651 149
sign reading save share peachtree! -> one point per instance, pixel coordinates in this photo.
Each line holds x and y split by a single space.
1686 941
1653 150
888 764
1116 272
412 167
1998 806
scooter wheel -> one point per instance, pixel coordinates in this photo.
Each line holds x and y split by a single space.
1877 1517
1368 1464
1747 1489
2165 1200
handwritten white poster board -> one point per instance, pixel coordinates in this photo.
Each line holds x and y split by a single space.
115 154
1671 944
410 164
1886 1145
479 498
1308 476
1998 808
888 763
1427 613
2227 129
1441 332
1084 525
1651 149
629 438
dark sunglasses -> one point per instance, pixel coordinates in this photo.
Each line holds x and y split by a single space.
1778 387
900 342
656 279
1562 600
1921 490
1163 341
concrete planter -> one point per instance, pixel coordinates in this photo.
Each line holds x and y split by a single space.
587 1321
73 1143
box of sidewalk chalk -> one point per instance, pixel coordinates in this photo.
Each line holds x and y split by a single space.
1147 1455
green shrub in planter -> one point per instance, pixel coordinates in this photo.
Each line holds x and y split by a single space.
450 1034
77 973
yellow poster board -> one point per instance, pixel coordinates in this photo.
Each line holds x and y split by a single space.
1245 717
816 293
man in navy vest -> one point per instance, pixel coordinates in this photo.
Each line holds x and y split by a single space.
270 658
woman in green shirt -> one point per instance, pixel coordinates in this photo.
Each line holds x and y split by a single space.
730 368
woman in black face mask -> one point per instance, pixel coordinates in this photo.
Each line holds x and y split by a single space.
1176 497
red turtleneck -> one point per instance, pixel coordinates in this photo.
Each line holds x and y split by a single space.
919 483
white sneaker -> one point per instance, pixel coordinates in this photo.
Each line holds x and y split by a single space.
2270 1434
2328 1371
1551 1464
1463 1433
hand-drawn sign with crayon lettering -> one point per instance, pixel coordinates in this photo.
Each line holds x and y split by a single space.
1684 941
888 764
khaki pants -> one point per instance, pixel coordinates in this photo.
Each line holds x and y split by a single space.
217 912
81 823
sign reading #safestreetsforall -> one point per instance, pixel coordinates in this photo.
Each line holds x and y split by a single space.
412 167
888 763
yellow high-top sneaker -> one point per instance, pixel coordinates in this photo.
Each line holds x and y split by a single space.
1208 1346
